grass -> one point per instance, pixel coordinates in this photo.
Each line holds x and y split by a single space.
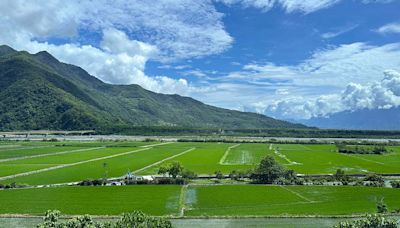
246 200
112 200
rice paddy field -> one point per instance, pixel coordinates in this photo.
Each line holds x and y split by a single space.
40 164
197 200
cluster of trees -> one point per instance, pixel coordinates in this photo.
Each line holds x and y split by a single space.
362 149
134 219
175 169
270 171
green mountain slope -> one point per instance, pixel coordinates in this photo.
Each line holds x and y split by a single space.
39 92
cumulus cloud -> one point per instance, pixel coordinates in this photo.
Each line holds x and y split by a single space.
383 94
131 33
389 28
329 72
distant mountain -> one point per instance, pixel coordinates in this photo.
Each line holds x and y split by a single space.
39 92
365 119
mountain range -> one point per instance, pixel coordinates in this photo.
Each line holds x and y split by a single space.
364 119
39 92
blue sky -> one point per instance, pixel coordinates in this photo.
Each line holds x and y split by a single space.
285 58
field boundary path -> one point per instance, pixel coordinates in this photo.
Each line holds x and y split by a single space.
283 156
50 154
297 194
70 164
163 160
223 158
158 144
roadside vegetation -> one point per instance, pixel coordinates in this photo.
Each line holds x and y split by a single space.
133 219
371 221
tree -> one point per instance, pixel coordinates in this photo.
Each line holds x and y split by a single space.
267 171
175 169
163 170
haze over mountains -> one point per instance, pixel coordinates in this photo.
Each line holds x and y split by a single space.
364 119
39 92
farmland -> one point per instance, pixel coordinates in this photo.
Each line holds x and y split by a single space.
37 163
110 200
289 200
223 200
47 169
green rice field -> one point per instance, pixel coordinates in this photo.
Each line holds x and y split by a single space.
223 200
64 162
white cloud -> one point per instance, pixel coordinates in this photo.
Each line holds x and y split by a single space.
131 33
389 28
315 86
338 32
304 6
383 94
290 6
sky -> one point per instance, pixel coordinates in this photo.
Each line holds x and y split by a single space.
289 59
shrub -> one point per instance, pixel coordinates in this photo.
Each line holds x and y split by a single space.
134 219
381 207
188 174
219 175
371 221
395 184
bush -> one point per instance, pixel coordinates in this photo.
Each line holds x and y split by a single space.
134 219
395 184
188 174
381 207
178 181
371 221
219 175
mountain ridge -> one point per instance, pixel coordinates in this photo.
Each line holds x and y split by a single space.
40 92
363 119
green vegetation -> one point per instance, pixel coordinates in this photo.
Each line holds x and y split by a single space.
361 149
235 200
109 200
269 171
218 200
39 92
133 219
132 159
371 221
